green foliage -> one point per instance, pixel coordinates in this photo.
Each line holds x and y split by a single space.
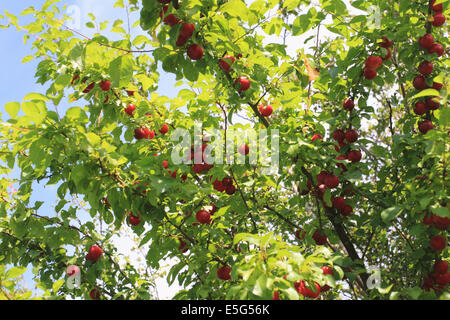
89 153
11 286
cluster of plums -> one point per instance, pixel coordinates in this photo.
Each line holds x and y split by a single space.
142 132
93 255
302 287
425 68
439 278
195 51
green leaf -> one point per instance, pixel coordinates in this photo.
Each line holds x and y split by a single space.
260 285
427 93
385 290
121 71
35 96
117 23
267 239
440 77
118 30
19 228
444 117
57 285
353 175
414 292
190 71
327 198
301 24
146 238
120 4
252 238
76 55
307 21
140 40
76 114
14 272
390 213
235 8
424 201
12 108
212 248
291 4
379 151
62 81
94 54
48 3
441 211
395 295
335 6
291 293
30 108
79 173
186 94
293 150
160 184
221 212
274 26
170 63
27 59
93 139
302 142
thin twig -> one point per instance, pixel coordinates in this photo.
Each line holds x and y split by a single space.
391 128
283 217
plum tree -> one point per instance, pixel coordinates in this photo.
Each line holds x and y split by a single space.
360 130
